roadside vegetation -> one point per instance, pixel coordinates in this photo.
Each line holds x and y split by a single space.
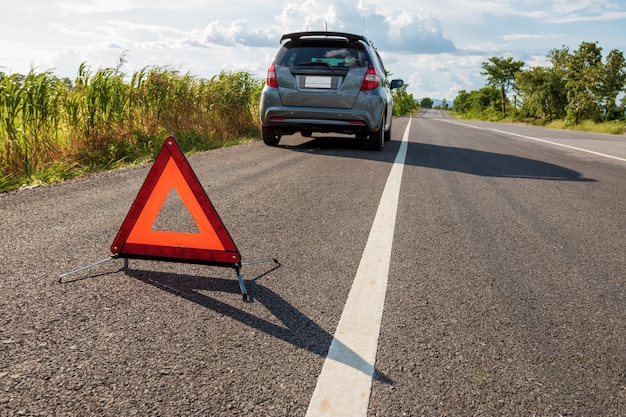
403 102
580 90
53 129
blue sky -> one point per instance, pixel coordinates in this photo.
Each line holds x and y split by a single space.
436 46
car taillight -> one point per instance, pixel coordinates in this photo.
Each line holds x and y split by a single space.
271 79
371 80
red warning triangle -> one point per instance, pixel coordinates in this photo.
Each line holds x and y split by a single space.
137 236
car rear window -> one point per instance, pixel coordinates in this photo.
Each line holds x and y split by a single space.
339 56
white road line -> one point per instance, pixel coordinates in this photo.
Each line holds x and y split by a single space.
562 145
544 141
343 388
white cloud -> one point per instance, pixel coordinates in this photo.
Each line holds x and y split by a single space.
239 32
409 32
525 36
443 75
578 17
310 15
569 11
93 6
437 46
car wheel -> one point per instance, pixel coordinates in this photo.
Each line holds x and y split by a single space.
307 133
388 133
377 139
271 136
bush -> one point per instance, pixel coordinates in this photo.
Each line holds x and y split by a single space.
51 129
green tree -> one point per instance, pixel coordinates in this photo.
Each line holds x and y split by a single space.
500 73
613 83
584 82
543 93
460 103
426 103
481 103
403 101
592 87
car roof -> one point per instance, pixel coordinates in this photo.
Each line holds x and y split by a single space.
296 36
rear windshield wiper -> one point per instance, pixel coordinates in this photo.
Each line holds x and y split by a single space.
316 64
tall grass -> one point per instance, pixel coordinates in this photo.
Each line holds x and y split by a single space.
614 127
29 121
52 129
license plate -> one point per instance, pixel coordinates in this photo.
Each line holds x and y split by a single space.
318 82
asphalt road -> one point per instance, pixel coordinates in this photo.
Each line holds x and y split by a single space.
506 290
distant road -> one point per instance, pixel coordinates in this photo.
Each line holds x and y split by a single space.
433 113
504 290
606 145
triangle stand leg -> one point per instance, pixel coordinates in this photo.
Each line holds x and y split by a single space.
261 261
237 266
67 274
242 284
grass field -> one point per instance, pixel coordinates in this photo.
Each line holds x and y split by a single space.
615 127
53 129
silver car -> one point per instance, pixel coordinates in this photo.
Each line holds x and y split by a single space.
327 82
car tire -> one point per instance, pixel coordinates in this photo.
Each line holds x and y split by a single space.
271 136
388 132
377 139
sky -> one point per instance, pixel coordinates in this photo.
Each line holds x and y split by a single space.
436 46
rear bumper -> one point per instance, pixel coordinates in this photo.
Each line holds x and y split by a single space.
317 120
364 116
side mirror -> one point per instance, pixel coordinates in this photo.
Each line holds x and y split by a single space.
396 84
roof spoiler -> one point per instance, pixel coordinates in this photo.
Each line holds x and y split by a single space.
340 35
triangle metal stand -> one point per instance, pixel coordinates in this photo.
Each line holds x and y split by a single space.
237 267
